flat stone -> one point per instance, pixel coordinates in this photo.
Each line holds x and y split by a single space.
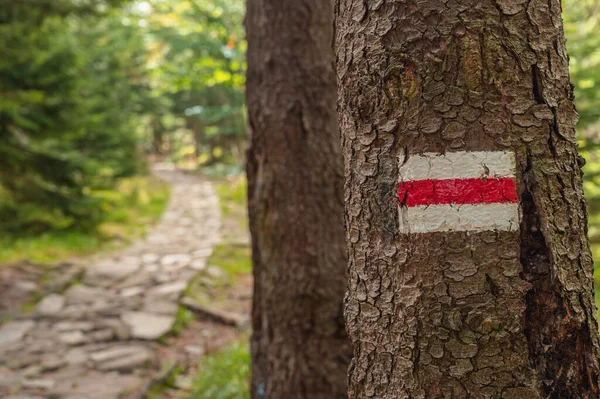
22 361
109 272
26 286
52 362
128 363
76 356
9 380
175 261
114 352
103 335
51 305
84 294
160 305
32 371
112 308
150 258
176 287
96 385
146 325
156 238
13 332
130 259
204 252
120 330
73 338
164 277
64 326
137 279
153 268
215 272
187 275
38 383
132 291
122 358
198 264
76 311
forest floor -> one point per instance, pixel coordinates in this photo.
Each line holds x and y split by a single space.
138 322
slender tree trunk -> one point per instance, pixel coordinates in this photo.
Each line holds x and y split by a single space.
470 271
157 137
295 184
198 140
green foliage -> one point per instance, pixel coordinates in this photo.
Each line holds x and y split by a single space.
86 85
66 128
224 375
63 7
581 21
198 50
134 204
232 259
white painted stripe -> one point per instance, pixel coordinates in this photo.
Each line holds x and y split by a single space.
457 165
439 218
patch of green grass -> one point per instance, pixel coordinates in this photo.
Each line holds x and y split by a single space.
232 193
48 247
135 204
224 375
183 317
232 259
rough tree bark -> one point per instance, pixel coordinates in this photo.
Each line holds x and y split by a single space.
497 312
295 188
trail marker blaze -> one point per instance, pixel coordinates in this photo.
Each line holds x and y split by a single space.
458 191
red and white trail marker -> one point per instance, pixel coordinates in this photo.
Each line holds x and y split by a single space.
458 191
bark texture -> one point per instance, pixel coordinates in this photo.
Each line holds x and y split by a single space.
495 314
295 189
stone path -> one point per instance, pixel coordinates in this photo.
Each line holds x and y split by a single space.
97 339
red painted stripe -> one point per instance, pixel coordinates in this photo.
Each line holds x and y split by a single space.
458 191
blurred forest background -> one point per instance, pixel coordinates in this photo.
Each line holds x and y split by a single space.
92 92
89 90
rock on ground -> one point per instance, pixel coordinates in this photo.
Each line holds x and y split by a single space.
146 325
14 331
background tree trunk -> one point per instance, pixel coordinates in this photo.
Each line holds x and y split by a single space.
295 184
158 138
504 313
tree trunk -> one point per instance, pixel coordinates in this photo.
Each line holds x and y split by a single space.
295 187
198 133
157 136
470 272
